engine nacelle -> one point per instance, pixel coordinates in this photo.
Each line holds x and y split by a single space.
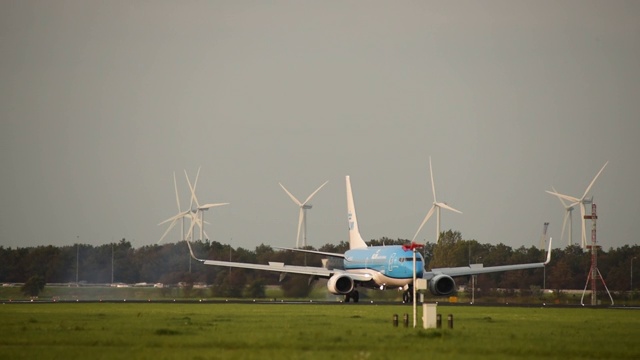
442 285
340 284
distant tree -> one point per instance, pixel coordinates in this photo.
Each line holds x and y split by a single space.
341 248
229 283
385 241
256 289
445 253
560 276
33 286
296 286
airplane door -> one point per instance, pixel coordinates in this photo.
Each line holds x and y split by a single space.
393 262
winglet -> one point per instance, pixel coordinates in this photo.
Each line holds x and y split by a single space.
191 251
549 252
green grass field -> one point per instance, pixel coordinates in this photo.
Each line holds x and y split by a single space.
310 331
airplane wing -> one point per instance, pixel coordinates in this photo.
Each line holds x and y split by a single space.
475 270
469 270
313 252
282 268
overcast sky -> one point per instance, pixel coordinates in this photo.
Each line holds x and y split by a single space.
101 101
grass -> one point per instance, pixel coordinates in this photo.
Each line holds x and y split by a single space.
310 331
318 293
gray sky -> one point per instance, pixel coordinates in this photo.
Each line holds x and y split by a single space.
101 101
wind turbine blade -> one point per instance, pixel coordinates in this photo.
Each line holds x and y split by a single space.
167 231
291 195
193 191
313 193
445 206
206 236
300 220
593 181
175 217
433 185
561 200
175 186
195 184
424 222
566 197
209 206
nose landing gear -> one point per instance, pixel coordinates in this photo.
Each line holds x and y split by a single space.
407 296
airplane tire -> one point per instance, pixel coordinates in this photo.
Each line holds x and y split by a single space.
406 297
356 296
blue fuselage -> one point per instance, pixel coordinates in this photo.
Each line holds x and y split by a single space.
389 265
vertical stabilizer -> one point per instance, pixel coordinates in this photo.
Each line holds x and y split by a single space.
355 240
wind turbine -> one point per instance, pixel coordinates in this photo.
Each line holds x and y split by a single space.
582 201
302 218
199 209
181 214
567 215
435 207
192 213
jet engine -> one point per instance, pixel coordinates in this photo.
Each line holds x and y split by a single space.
442 285
340 284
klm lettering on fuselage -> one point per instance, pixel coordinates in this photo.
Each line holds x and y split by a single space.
377 256
393 261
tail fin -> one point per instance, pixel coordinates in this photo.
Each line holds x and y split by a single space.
355 240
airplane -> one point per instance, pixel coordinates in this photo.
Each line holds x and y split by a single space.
378 267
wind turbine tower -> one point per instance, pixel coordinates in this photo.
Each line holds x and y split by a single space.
302 217
543 238
568 215
434 207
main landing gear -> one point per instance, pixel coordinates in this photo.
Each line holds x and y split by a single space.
354 295
407 296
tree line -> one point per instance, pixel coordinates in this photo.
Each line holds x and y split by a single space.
170 263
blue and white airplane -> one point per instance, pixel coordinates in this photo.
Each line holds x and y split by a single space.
379 267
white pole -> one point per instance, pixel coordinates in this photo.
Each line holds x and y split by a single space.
414 287
77 258
473 289
112 262
631 276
